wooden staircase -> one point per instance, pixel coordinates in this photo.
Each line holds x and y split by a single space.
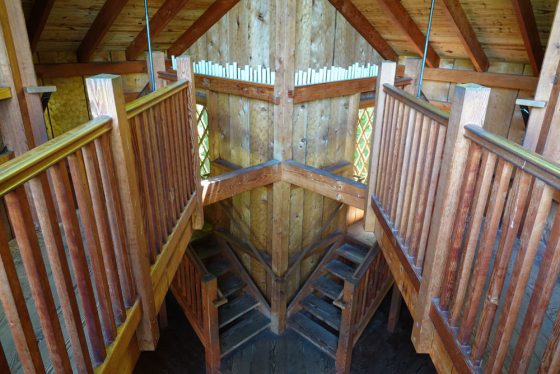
338 300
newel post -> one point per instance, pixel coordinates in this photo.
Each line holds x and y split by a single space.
469 108
387 72
210 323
106 98
185 71
346 336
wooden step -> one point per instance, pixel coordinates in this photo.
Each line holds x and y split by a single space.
247 327
352 253
328 287
315 333
340 269
218 267
236 308
230 284
208 250
322 310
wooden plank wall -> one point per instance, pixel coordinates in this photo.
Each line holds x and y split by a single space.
503 116
323 131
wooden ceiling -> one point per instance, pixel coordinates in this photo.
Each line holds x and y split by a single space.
494 24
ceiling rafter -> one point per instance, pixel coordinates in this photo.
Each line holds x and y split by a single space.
158 22
466 33
99 28
212 15
403 20
365 28
37 21
530 33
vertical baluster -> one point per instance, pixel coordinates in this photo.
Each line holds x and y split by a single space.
166 165
550 362
401 207
184 125
382 141
91 164
393 155
62 190
79 179
493 215
389 175
15 310
383 163
510 229
484 184
22 222
172 159
432 186
399 164
455 249
46 214
179 138
116 220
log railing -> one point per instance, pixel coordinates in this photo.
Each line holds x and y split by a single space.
503 259
102 216
361 296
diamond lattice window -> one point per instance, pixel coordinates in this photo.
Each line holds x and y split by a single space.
203 140
364 129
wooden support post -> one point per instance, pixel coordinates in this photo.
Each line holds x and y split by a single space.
469 108
106 98
162 316
284 66
346 337
395 310
387 73
210 311
158 59
412 68
185 71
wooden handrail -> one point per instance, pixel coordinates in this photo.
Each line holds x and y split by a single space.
145 102
22 168
422 106
526 160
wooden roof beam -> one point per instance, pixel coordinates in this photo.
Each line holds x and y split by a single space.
101 25
530 33
465 32
158 22
37 21
212 15
403 20
365 28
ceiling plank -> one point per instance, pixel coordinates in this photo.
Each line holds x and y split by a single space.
466 33
101 25
365 28
37 21
164 15
403 20
530 33
212 15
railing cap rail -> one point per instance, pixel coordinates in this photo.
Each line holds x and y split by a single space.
526 160
435 113
21 169
144 103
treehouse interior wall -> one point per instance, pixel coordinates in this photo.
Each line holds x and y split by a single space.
241 130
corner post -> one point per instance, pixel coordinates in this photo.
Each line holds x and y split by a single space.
387 72
412 69
346 337
185 71
106 98
210 323
469 108
158 59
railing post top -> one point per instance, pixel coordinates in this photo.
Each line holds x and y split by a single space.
103 77
470 102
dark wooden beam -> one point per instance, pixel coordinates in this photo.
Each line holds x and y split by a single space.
230 184
330 185
164 15
466 33
87 69
530 33
37 21
402 19
365 28
201 25
101 25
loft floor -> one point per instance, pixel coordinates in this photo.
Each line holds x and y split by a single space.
377 351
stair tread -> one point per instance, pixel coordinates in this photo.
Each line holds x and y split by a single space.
250 325
328 287
352 253
315 333
218 267
236 308
208 250
230 284
340 269
322 310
